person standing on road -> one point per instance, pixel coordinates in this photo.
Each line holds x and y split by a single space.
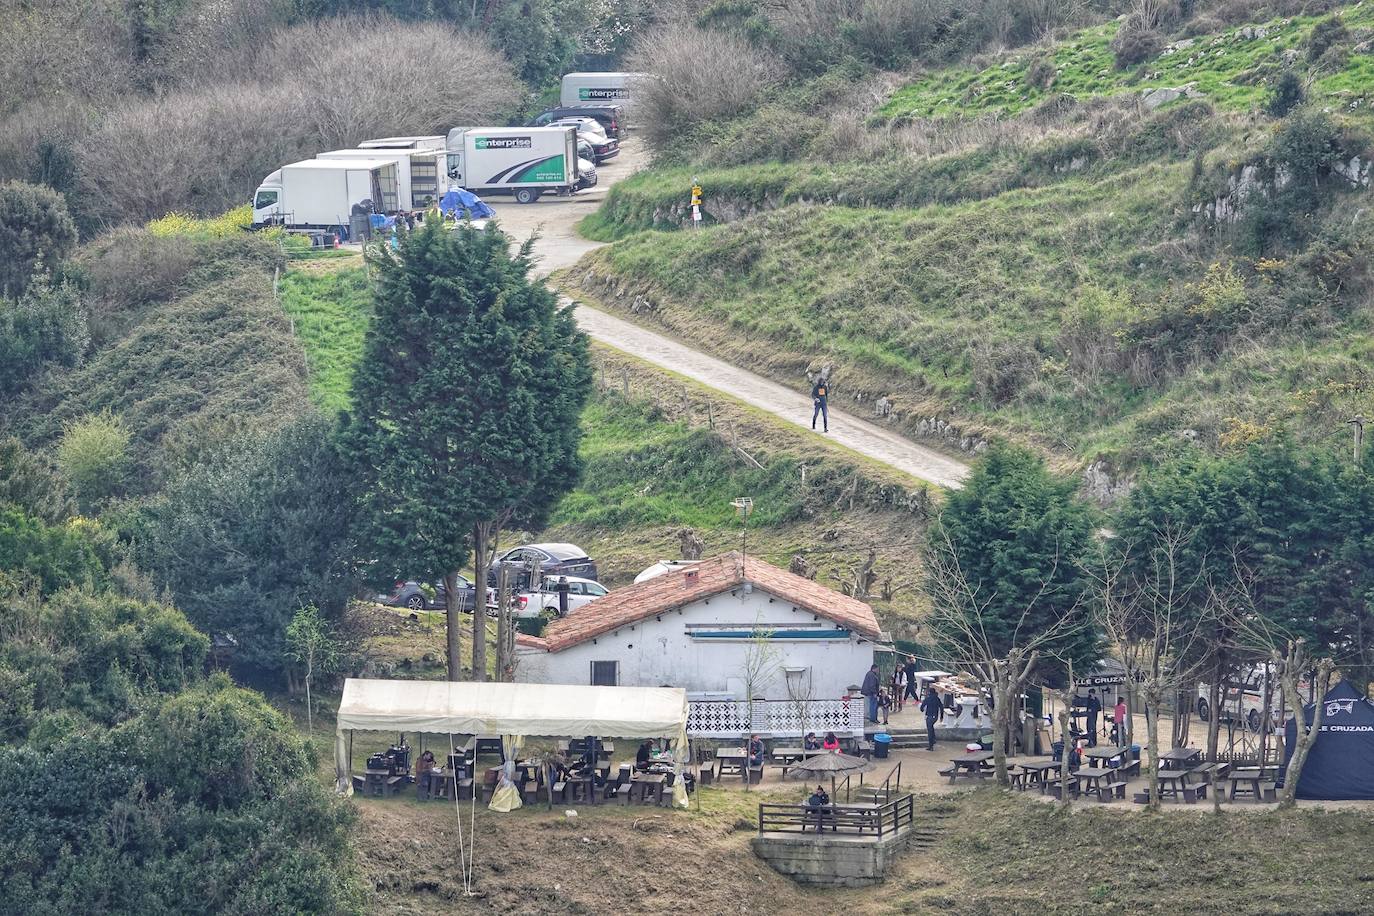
870 690
935 711
819 393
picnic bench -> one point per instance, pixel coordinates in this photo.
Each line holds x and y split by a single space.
1250 781
785 757
972 765
1174 784
1100 781
731 761
1180 758
1035 773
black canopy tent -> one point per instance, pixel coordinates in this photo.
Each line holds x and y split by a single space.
1341 762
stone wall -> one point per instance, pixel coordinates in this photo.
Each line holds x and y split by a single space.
831 860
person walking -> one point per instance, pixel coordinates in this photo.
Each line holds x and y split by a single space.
819 393
870 690
909 669
935 711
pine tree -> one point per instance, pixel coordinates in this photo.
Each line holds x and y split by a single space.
466 409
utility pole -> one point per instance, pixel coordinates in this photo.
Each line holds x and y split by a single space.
743 506
1358 422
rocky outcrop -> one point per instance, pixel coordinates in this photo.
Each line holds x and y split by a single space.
1103 485
1263 179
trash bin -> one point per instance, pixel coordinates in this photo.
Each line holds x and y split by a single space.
986 742
881 742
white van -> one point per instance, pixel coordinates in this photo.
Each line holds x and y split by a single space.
600 88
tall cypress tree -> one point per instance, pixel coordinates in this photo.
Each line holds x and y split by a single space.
465 409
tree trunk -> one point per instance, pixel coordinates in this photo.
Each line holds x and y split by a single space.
482 536
309 707
1266 717
1306 737
452 632
1065 717
1154 698
1001 701
1214 695
502 621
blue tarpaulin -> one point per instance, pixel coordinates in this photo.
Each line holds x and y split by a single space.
463 199
382 222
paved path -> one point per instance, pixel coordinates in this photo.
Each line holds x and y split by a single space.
559 245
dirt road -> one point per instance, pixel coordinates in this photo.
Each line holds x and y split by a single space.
558 246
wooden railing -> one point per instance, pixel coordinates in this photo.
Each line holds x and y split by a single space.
864 820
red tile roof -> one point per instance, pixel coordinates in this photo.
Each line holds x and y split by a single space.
684 586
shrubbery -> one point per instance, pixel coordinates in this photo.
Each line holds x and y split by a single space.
35 232
94 457
45 326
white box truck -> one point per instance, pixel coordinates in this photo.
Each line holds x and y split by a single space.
523 161
321 193
425 141
421 174
599 88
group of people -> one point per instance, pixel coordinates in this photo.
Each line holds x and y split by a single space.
811 743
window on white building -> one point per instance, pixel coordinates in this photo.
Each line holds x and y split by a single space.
605 674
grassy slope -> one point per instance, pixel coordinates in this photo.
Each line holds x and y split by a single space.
654 465
945 283
1227 67
329 309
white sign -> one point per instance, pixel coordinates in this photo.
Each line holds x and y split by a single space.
696 214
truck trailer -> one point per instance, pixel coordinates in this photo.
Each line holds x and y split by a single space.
321 193
599 88
523 161
424 141
421 174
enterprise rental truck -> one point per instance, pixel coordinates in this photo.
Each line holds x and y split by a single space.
524 161
421 174
321 193
599 89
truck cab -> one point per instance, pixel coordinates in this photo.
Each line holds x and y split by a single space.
267 201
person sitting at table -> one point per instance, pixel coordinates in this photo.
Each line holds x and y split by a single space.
643 755
811 742
831 743
755 749
424 775
816 806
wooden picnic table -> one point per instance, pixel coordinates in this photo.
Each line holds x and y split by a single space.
375 780
970 765
790 755
1172 783
1179 758
732 760
1090 779
1038 770
1246 781
1105 753
648 784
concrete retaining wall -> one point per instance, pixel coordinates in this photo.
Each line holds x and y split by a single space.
829 859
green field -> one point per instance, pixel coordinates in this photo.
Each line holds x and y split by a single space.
329 311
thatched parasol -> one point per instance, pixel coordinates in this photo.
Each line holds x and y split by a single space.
832 763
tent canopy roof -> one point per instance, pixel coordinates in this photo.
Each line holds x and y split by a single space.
471 708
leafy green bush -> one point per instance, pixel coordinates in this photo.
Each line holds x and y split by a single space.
45 325
56 556
28 483
249 535
35 231
94 457
1286 95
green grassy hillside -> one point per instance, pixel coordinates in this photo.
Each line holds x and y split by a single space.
1020 248
658 460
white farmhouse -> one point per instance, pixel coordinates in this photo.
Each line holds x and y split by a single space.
699 628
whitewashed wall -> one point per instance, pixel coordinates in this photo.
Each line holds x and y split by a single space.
659 652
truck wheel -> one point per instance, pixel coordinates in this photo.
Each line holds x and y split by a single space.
1203 710
526 196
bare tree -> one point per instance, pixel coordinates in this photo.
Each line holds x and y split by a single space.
1148 611
956 622
1294 661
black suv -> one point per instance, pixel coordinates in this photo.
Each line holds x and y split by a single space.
611 117
550 559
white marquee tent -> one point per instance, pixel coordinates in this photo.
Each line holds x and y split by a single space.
512 711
